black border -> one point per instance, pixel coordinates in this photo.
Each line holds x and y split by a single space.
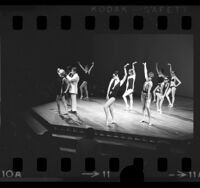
99 2
13 3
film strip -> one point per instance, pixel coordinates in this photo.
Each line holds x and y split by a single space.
114 23
93 132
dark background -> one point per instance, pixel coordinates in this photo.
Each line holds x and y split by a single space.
31 56
40 53
115 50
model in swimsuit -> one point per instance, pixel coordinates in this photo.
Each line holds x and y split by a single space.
174 83
63 90
158 92
130 87
146 94
161 91
84 85
112 91
165 88
161 76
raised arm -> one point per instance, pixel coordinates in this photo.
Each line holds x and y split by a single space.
145 71
81 66
170 68
133 67
91 67
157 70
125 75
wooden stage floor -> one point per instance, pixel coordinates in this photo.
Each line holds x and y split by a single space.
175 123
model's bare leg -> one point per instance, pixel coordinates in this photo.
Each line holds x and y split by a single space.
125 100
157 102
131 101
173 95
106 108
167 95
86 91
143 111
143 107
148 103
112 113
157 105
161 104
81 89
127 93
154 95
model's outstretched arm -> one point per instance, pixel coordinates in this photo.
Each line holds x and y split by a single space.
133 67
170 68
179 82
145 71
125 75
157 70
81 66
91 67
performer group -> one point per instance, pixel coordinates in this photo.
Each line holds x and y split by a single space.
69 79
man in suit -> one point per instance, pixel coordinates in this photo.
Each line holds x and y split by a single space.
73 79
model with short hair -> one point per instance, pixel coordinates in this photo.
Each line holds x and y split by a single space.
174 83
84 86
130 87
165 88
161 76
112 91
146 93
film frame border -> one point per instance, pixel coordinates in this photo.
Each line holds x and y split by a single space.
196 94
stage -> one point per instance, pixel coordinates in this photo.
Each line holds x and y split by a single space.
175 123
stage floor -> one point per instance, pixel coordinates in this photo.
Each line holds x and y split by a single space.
175 123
